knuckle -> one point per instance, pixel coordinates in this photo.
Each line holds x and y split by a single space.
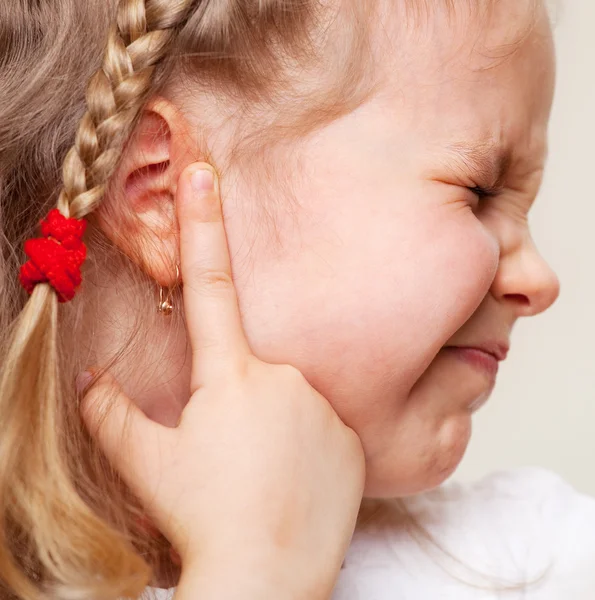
211 280
354 443
291 374
354 449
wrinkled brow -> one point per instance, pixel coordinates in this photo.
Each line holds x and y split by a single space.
488 161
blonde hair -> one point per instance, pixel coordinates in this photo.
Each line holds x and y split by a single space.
68 526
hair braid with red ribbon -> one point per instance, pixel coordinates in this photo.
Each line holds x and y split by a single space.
57 257
138 41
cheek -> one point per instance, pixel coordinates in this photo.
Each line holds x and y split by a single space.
441 273
362 312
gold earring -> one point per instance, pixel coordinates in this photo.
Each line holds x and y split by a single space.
165 306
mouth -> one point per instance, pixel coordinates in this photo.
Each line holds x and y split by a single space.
484 357
496 350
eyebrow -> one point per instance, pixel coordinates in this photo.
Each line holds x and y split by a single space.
490 162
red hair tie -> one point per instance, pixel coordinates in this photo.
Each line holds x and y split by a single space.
57 257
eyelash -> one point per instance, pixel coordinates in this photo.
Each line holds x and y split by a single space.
484 193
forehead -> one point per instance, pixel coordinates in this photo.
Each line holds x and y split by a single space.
472 79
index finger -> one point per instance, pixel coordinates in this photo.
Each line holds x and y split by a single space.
212 312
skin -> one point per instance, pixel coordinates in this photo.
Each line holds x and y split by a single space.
391 256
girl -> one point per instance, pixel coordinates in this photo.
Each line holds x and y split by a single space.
377 161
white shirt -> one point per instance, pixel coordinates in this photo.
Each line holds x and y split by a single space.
525 528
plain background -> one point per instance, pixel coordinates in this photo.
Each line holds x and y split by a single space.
543 410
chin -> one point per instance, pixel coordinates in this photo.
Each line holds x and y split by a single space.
419 467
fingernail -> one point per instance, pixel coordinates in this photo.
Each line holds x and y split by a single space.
203 181
83 380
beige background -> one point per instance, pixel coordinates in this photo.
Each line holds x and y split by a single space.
543 411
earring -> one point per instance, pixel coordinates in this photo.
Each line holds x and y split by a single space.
165 306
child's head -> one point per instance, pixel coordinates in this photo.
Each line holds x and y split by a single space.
353 140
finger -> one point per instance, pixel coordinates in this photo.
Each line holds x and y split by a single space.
212 311
128 438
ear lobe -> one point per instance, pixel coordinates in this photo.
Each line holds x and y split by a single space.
139 214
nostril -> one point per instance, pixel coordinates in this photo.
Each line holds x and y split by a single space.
519 299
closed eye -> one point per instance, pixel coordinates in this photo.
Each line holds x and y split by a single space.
485 192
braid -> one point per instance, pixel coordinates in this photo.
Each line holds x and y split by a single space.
31 382
137 42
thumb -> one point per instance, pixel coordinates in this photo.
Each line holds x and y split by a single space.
127 437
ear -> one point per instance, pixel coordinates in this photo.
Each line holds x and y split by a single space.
138 213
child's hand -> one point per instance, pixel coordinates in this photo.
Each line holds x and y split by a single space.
260 477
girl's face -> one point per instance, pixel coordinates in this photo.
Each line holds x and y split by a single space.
392 259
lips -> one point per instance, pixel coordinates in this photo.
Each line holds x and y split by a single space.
484 357
478 359
497 350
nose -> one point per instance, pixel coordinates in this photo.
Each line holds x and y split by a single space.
526 281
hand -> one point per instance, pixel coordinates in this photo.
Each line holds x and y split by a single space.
260 474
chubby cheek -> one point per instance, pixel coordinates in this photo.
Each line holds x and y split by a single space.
363 312
400 295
